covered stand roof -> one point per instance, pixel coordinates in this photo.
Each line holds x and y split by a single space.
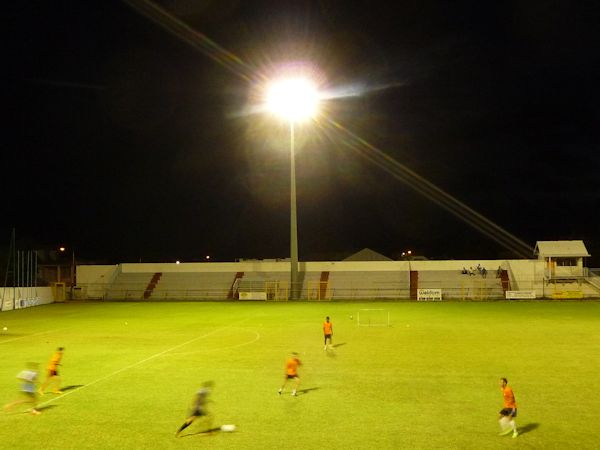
560 249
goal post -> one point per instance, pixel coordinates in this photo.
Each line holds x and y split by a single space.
373 318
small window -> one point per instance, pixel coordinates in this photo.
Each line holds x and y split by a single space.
566 262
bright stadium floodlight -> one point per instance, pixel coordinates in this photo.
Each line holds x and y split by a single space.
293 99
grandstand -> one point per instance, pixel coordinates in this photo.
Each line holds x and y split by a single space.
559 276
457 285
558 272
368 284
128 286
194 286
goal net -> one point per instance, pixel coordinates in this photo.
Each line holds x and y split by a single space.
373 318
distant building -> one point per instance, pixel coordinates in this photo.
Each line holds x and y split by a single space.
366 254
563 259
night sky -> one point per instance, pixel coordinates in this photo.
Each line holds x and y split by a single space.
127 143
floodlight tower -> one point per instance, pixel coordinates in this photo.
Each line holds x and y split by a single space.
294 99
63 249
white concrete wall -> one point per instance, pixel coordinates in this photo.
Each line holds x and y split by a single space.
245 266
355 266
96 274
92 280
17 298
491 265
526 275
263 266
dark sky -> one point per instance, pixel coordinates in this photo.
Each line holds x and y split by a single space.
127 143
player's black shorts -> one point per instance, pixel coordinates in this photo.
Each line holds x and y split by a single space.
291 377
508 412
198 413
53 373
328 336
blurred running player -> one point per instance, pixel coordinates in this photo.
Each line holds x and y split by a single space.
291 373
28 379
198 409
52 377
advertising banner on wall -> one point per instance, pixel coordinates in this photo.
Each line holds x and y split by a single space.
16 298
519 294
429 295
253 295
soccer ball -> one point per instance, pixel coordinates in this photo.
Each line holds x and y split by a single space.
350 317
230 427
5 328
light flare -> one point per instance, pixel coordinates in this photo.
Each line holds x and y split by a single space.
374 155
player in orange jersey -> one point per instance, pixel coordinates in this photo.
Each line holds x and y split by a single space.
509 411
52 376
291 373
327 332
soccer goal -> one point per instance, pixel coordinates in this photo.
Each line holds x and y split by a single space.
373 318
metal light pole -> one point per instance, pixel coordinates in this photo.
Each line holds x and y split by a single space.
293 220
72 271
294 99
73 268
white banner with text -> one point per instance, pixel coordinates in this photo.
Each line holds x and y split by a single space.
429 295
520 294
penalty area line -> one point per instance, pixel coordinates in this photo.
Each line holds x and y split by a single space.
131 366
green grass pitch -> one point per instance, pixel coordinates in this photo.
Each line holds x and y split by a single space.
430 380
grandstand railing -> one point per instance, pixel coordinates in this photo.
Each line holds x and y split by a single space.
276 291
593 277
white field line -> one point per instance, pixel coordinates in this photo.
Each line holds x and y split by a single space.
31 335
131 366
215 349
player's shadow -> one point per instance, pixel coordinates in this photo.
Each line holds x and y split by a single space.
208 432
71 387
527 428
45 408
306 391
338 345
27 411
